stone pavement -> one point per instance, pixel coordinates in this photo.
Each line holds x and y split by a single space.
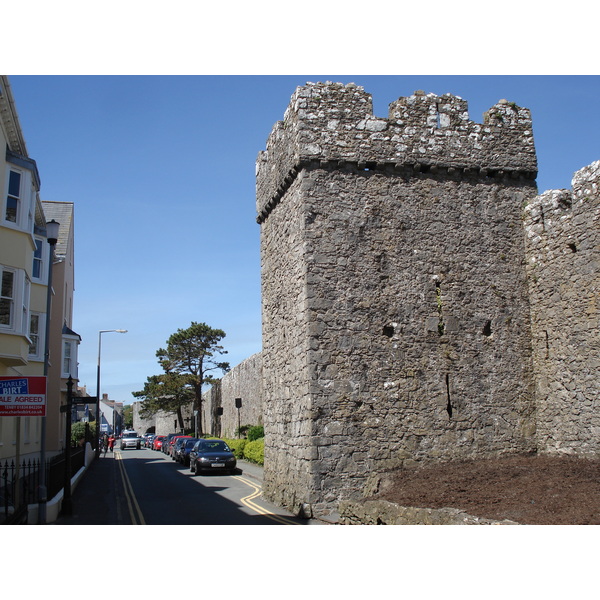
94 499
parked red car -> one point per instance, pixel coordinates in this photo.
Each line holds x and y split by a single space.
158 441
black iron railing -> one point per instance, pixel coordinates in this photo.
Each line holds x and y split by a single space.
19 487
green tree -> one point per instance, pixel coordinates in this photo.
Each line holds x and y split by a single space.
78 432
128 416
193 353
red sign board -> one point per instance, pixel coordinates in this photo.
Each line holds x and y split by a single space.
22 396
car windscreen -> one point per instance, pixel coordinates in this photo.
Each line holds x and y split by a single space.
214 447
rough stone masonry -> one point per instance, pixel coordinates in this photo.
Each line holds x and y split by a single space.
563 261
395 300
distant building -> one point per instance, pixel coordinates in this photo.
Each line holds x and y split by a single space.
111 416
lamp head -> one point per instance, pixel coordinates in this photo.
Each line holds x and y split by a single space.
52 228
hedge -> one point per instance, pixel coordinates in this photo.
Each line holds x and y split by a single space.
237 446
251 451
255 451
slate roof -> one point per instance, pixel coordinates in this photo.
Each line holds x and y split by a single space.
62 212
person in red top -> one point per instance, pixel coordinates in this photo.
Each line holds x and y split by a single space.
111 442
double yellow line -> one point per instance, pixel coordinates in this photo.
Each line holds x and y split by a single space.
137 518
135 514
247 501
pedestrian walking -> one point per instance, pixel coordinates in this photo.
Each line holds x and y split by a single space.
111 442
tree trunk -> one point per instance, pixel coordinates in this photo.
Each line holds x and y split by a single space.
198 407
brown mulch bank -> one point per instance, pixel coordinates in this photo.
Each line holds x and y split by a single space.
535 490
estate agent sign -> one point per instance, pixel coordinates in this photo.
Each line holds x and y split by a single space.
22 396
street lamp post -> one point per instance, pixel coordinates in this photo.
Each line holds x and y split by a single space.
238 405
98 418
52 229
67 504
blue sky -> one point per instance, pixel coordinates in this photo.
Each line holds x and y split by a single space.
161 170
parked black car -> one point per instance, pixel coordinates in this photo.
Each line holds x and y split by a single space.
211 455
177 447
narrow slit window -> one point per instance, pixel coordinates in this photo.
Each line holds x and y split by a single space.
449 404
487 328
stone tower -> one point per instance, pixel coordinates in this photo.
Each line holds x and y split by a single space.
394 294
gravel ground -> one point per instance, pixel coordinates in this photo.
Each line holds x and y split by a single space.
530 489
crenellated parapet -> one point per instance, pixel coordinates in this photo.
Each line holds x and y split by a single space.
332 125
559 222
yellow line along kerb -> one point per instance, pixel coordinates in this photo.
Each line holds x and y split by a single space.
132 504
247 501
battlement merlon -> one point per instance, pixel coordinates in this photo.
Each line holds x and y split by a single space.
556 205
334 123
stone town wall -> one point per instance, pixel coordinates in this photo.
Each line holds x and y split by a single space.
563 259
243 381
161 423
166 422
395 307
141 425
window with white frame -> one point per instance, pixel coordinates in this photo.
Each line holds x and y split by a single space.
67 359
20 195
12 212
14 300
69 362
7 298
25 304
36 330
37 270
